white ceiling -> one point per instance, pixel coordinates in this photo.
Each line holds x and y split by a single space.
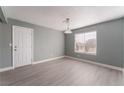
53 16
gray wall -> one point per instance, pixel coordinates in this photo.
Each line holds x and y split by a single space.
48 43
5 50
109 43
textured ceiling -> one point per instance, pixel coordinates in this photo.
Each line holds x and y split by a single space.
53 16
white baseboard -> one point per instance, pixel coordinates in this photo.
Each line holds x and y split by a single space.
97 63
5 69
11 68
55 58
50 59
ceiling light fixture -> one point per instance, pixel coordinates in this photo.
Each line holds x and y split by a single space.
68 30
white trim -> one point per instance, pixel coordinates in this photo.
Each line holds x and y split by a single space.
32 45
13 44
55 58
50 59
94 54
97 63
37 62
6 69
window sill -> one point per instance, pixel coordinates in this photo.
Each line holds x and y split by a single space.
86 53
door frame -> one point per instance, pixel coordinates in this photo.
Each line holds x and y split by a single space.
32 44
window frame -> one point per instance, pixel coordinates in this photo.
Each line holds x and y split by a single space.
85 52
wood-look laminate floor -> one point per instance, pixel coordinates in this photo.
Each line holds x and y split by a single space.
62 72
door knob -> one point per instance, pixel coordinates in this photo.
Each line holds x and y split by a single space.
15 48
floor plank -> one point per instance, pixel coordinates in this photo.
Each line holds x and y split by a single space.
62 72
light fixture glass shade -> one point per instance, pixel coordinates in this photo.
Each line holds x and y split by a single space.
68 31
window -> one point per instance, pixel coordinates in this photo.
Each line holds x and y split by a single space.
86 42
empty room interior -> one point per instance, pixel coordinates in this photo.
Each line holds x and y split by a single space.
61 45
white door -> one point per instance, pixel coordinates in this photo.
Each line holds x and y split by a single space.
22 46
